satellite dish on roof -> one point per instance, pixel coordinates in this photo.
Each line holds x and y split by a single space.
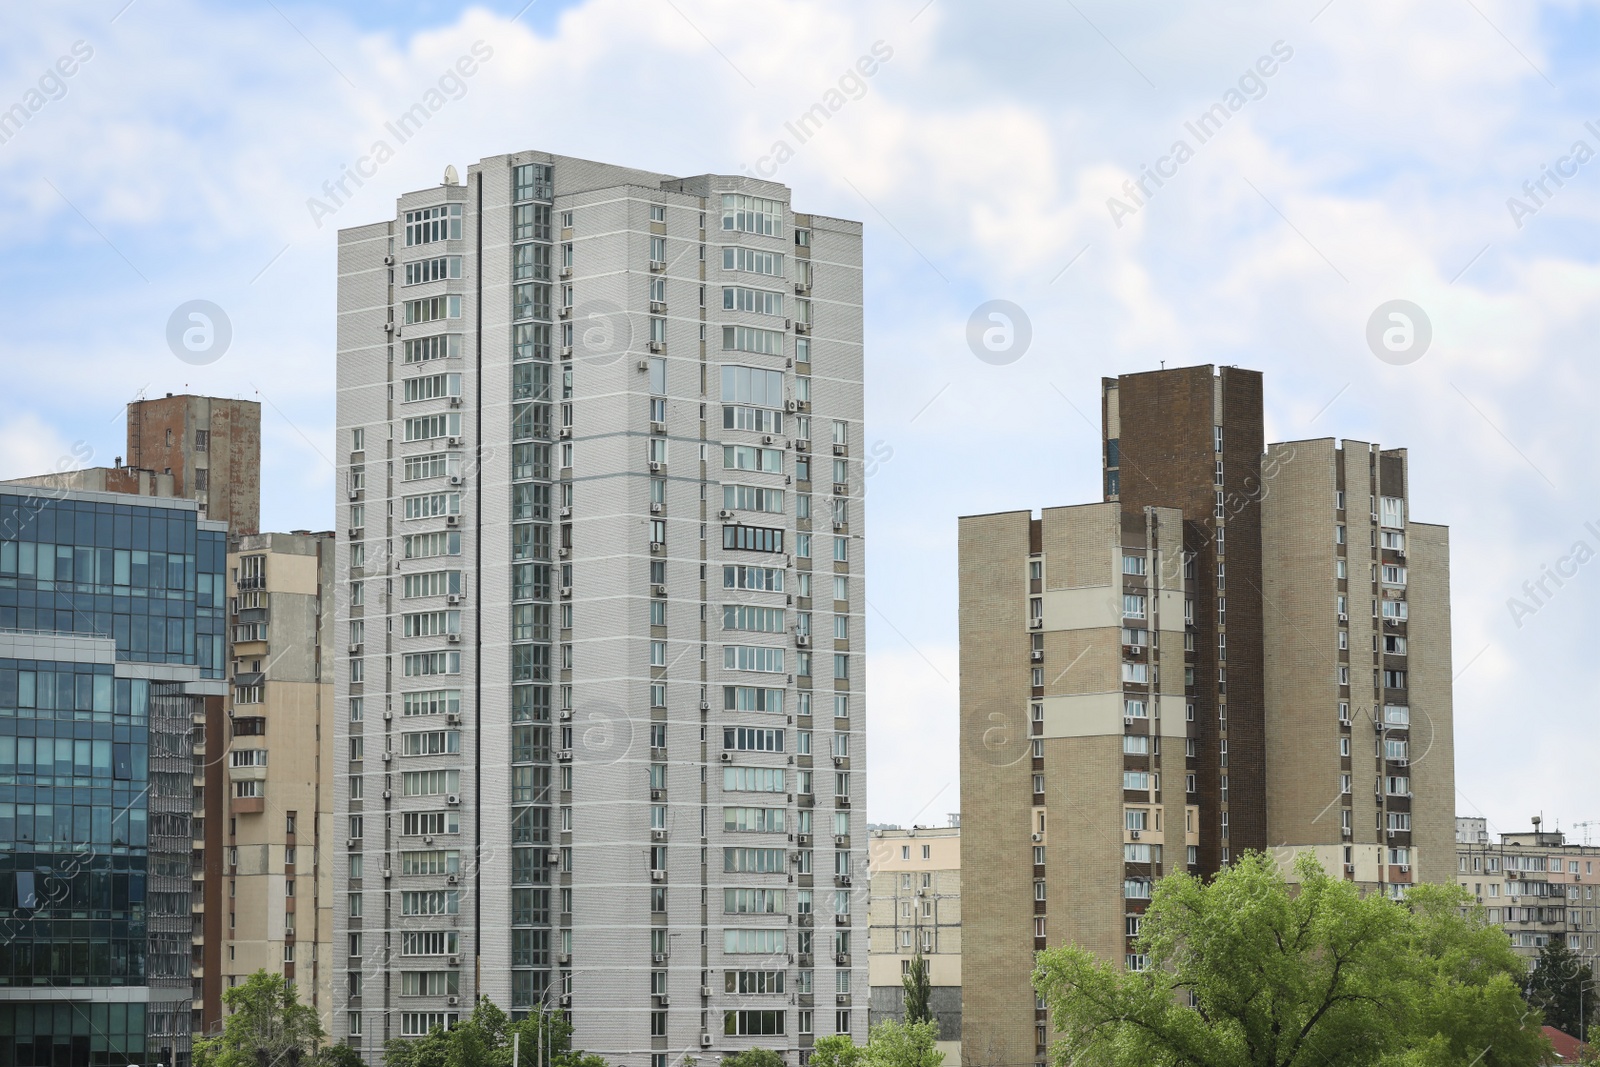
450 175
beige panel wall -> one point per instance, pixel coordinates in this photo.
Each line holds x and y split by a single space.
1300 593
1433 782
996 800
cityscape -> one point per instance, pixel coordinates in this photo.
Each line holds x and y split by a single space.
463 657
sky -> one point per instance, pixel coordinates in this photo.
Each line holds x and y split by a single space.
1436 152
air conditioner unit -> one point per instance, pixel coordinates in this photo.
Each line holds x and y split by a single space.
388 327
1127 720
658 794
452 879
355 494
454 479
349 842
563 959
428 840
644 365
452 718
452 598
657 547
1405 868
841 489
355 648
387 795
1391 831
766 439
802 640
452 639
724 514
566 714
452 442
802 327
1349 868
802 444
1038 655
564 755
705 1040
658 305
553 857
452 961
455 401
659 590
564 552
1343 617
1134 650
663 1000
837 525
841 880
453 1001
1037 838
387 716
658 835
453 799
705 991
1346 831
1134 834
842 959
655 346
566 313
387 756
659 957
566 351
355 533
566 272
388 872
452 520
658 876
658 265
655 467
789 405
566 592
657 427
1036 624
838 761
388 261
727 757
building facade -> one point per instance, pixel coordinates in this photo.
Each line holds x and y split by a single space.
111 647
916 906
268 777
210 446
601 534
1358 668
1174 672
1536 884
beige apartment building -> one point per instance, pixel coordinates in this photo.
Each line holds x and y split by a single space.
916 901
268 788
1179 673
1536 884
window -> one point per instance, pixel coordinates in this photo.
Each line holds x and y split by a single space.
1132 606
750 339
433 224
1392 511
759 301
750 214
1132 564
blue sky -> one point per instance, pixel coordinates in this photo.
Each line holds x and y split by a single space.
1375 164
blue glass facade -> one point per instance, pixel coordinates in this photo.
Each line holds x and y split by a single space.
111 629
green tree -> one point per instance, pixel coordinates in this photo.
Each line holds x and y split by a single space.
487 1037
338 1055
1562 986
837 1050
1311 975
266 1026
753 1057
918 989
894 1044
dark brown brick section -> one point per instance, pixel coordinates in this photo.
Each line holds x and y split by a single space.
1168 459
161 437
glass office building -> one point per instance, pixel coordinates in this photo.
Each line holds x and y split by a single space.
111 640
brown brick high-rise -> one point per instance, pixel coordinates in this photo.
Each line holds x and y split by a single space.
212 449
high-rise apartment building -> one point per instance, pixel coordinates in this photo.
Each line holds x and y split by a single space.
1160 681
268 782
1360 735
111 648
210 446
1538 885
600 502
916 907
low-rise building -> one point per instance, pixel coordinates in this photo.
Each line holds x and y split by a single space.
1535 884
916 901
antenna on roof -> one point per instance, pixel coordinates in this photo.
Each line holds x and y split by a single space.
451 177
